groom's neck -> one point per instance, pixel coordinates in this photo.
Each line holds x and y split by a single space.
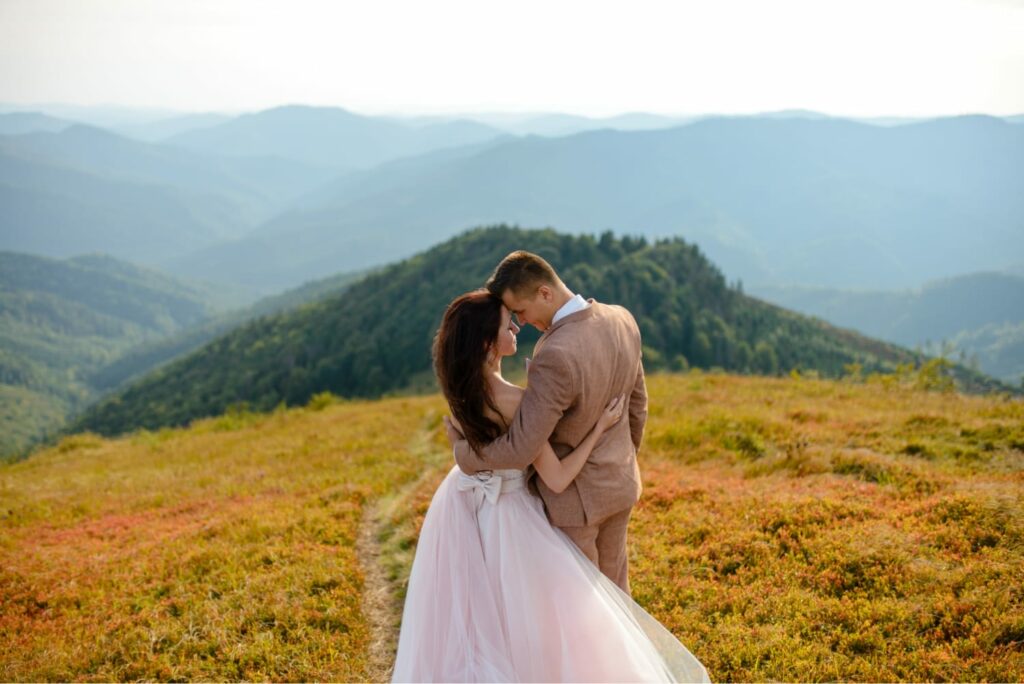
561 296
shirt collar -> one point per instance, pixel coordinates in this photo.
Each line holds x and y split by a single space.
577 303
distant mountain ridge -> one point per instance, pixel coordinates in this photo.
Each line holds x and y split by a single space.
825 202
17 123
997 348
152 125
978 313
779 198
561 124
328 136
155 131
85 189
98 151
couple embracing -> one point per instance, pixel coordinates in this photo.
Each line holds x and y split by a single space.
521 570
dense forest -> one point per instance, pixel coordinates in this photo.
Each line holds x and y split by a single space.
61 321
375 337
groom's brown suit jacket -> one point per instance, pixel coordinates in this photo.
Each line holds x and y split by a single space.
579 364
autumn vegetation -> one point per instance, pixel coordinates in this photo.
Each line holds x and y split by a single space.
792 528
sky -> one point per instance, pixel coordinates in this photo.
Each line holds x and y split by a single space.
840 57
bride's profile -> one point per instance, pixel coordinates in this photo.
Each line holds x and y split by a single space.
495 592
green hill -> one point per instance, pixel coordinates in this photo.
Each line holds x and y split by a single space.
375 338
61 320
145 357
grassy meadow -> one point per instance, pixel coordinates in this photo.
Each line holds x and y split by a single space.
790 529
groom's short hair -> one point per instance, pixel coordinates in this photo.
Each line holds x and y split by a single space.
521 272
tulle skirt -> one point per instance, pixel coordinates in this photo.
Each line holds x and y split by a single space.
497 594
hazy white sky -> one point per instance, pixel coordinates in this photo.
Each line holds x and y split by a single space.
845 57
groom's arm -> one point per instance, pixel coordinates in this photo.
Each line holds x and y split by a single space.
550 391
638 407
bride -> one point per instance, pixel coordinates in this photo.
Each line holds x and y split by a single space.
496 593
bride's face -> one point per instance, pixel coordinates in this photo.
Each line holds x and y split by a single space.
506 342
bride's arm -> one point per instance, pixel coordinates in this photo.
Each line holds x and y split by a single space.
557 474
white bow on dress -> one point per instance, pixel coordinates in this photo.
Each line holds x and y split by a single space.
483 488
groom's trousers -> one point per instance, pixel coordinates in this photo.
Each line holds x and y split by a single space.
605 545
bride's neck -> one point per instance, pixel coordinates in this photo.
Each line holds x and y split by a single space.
493 370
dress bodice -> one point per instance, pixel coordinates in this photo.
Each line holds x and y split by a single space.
509 474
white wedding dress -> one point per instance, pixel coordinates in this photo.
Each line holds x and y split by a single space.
498 594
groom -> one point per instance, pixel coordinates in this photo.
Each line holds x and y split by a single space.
589 353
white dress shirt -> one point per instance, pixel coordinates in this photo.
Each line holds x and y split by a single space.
577 303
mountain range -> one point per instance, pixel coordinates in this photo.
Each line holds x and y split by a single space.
85 189
154 125
783 199
796 207
328 136
772 201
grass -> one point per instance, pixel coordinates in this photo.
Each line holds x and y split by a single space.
222 551
790 529
806 530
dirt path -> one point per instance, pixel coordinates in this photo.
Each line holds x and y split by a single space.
390 519
379 606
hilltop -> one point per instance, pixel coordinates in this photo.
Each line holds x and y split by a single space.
790 529
374 338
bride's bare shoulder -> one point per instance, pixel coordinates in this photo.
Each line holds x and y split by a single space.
507 396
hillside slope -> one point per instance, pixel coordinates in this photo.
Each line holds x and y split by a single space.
979 315
73 330
62 320
789 530
375 338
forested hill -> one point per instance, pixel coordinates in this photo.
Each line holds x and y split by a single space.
375 338
61 320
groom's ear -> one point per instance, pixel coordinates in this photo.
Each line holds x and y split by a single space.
546 293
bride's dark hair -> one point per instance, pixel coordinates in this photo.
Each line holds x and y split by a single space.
468 331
